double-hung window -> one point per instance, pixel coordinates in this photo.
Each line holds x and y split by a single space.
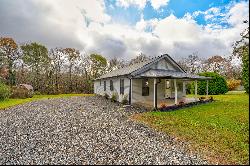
145 87
104 82
121 86
111 85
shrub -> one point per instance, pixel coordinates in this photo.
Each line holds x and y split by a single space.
19 92
4 92
188 88
233 84
106 95
211 98
217 85
181 102
245 70
163 106
202 98
37 93
125 99
114 97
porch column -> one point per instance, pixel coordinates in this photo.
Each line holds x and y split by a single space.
175 92
184 88
207 88
155 93
195 92
130 91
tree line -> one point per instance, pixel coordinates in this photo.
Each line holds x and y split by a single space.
56 70
67 70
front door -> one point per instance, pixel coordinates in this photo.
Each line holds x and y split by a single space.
167 88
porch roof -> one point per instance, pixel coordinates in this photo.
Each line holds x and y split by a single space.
157 73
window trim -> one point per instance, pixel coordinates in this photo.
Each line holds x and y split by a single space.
104 82
122 86
145 87
111 85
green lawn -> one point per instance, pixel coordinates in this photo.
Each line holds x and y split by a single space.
13 102
219 131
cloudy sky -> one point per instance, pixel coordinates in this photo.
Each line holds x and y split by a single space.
124 28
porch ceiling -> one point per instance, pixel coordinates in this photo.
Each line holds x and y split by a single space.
157 73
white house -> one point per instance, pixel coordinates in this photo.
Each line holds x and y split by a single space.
147 83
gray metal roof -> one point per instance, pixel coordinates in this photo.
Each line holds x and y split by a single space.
157 73
142 70
125 70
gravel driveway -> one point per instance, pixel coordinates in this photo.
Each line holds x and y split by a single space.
82 130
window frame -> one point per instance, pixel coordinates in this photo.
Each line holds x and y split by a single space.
104 83
111 85
145 87
122 86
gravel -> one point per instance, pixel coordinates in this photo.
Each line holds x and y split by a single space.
83 130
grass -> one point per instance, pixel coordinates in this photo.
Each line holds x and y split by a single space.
219 131
12 102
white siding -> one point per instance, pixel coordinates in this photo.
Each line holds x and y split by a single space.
163 64
99 89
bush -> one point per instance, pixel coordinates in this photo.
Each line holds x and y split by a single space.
37 93
114 97
4 92
202 98
182 102
20 93
163 106
233 84
106 95
245 70
216 86
125 99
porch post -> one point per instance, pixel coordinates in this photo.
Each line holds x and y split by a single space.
195 92
207 87
184 88
155 93
175 92
130 91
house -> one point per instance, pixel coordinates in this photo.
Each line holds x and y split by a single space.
148 83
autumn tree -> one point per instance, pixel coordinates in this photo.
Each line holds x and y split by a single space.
35 56
241 50
192 64
9 54
57 61
72 56
98 65
140 58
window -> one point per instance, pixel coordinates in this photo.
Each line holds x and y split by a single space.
111 85
167 84
104 85
121 86
145 87
100 82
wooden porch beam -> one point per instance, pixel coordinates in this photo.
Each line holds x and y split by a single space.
175 92
184 88
155 93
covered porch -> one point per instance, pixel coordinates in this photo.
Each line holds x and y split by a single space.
167 87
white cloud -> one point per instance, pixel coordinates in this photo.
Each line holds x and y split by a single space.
126 3
60 23
156 4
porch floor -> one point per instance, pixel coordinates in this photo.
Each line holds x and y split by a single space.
168 102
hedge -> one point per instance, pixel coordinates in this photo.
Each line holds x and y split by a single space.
216 86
